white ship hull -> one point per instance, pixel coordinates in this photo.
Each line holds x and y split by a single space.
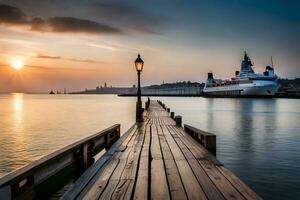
256 88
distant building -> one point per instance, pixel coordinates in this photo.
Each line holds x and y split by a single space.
179 88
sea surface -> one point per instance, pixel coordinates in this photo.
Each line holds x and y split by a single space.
257 139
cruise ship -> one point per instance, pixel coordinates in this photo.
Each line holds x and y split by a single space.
246 83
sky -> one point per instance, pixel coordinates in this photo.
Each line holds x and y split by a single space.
78 44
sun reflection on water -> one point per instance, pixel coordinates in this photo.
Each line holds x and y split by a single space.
18 109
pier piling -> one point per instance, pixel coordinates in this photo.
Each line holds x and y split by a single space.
178 120
172 115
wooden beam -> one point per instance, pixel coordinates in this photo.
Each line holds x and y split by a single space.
208 140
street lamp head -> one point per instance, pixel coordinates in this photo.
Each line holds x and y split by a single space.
139 63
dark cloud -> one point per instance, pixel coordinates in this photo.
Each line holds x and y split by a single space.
70 24
69 59
128 15
13 16
48 57
84 60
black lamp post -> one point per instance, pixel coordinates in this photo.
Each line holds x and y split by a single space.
139 63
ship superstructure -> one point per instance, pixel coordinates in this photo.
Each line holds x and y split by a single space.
245 83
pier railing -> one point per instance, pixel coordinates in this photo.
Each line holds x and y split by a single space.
46 175
208 140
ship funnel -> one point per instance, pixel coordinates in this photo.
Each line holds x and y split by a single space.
210 79
269 71
269 68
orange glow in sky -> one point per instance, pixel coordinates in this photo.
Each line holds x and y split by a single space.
40 50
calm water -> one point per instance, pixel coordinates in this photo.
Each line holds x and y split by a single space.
258 139
36 125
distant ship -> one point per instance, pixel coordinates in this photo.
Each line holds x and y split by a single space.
245 83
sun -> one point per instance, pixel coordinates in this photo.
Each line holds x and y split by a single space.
17 64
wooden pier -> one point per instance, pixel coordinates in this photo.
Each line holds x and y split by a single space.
158 159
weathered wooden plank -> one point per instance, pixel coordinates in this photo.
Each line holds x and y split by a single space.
116 176
177 189
224 186
188 178
101 180
159 185
175 184
239 184
141 188
95 186
130 170
126 147
208 186
173 146
198 151
124 189
84 180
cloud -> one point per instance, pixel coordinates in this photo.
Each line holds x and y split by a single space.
69 59
130 16
56 68
111 46
84 60
48 57
124 15
10 15
18 41
102 46
71 25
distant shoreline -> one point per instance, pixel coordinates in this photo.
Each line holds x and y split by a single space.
282 96
279 95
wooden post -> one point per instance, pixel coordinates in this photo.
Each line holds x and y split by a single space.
159 102
172 115
210 143
85 156
112 137
147 103
139 112
168 109
178 120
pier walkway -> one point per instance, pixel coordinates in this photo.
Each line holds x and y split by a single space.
158 160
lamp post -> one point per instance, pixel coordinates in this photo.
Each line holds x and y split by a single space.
139 63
